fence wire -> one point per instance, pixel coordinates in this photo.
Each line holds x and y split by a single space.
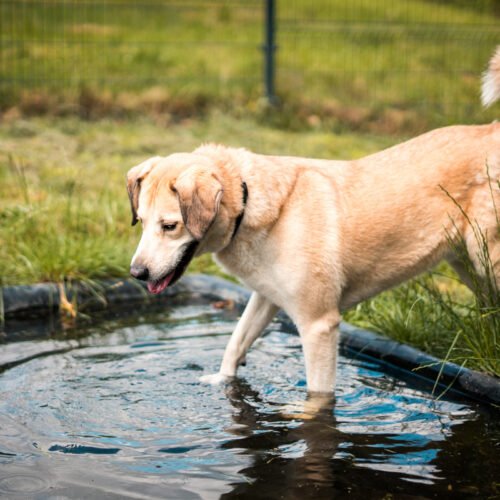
120 52
389 64
392 63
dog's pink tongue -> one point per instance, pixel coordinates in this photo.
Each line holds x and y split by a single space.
158 286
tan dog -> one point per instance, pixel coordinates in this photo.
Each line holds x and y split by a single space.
315 237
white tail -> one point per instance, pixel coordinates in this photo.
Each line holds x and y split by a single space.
490 90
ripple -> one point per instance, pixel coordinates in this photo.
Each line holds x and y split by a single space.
23 483
128 404
78 449
178 449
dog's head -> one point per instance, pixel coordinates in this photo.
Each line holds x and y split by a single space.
179 202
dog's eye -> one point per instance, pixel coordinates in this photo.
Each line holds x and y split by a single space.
169 227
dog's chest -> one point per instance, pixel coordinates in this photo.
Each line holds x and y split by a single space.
244 257
252 262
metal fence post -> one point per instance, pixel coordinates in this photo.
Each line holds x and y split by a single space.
269 50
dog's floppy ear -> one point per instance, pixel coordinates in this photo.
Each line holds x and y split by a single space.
134 178
199 193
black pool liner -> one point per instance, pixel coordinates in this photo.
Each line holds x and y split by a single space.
25 302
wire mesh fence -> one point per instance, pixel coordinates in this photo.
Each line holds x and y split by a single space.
122 51
392 63
388 64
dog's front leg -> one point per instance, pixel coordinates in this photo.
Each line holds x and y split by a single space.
256 316
319 343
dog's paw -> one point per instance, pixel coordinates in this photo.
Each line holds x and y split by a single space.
215 379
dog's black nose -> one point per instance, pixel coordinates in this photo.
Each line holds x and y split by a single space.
139 272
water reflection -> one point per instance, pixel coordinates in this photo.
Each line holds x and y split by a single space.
309 456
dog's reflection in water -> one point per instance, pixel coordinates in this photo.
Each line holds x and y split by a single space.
292 447
298 451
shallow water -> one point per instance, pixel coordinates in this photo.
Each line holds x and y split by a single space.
115 410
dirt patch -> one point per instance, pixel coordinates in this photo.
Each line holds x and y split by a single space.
165 107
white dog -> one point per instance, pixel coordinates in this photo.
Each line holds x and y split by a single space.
315 237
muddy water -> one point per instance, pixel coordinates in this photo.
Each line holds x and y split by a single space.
114 409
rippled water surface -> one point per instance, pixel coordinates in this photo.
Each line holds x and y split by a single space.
116 411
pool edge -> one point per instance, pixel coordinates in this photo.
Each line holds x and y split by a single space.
44 299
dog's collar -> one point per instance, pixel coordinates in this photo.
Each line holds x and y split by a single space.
242 213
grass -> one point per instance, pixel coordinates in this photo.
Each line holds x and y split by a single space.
64 215
439 315
371 66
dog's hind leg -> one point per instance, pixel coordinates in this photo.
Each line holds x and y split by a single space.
462 272
494 260
257 315
480 269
